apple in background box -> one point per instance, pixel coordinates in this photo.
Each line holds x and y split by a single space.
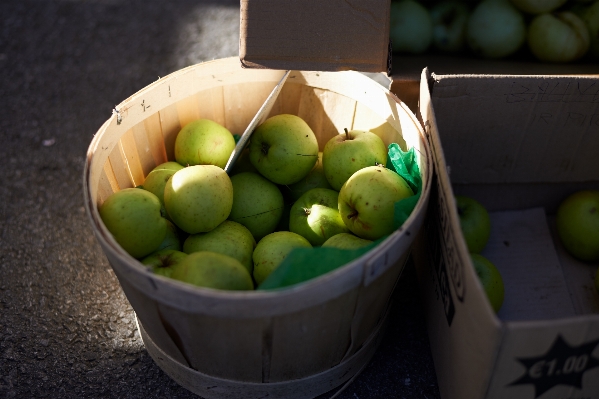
495 29
133 218
162 261
558 37
474 223
577 222
450 19
228 238
272 250
411 27
538 6
590 16
284 149
346 153
257 203
204 142
490 279
346 241
315 216
367 201
314 179
198 198
213 270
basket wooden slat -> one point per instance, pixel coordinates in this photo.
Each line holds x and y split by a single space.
276 342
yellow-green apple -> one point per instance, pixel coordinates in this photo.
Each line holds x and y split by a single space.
133 218
284 149
558 37
198 198
346 241
490 279
157 178
346 153
228 238
538 6
577 222
474 223
449 19
410 27
257 203
315 216
172 239
495 29
162 261
213 270
272 250
314 179
243 163
204 142
367 201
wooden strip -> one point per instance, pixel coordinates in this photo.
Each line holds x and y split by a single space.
242 102
144 151
155 139
170 123
105 186
119 168
366 119
131 156
289 99
188 110
211 105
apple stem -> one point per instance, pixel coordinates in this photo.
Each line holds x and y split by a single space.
346 134
307 211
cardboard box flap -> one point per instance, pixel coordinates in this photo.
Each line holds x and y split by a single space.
557 140
315 35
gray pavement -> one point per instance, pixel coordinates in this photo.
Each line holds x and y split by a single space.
66 328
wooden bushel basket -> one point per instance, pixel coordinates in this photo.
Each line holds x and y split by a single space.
298 342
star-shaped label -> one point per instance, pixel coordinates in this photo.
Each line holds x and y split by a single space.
563 364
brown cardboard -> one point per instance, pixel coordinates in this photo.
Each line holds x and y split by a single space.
315 35
518 144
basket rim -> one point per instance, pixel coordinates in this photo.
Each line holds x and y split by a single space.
108 243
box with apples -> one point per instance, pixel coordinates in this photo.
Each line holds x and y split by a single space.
525 147
299 341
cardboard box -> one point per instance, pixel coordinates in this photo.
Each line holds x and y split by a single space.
518 144
315 35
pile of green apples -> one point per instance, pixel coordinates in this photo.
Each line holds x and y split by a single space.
557 31
475 225
193 222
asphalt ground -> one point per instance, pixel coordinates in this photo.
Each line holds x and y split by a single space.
66 328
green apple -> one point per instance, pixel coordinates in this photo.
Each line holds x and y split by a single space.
314 179
450 18
257 203
558 37
367 201
204 142
172 239
315 216
474 223
346 241
495 29
577 222
538 6
590 16
410 27
228 238
133 218
490 279
284 149
162 261
198 198
346 153
157 178
213 270
272 249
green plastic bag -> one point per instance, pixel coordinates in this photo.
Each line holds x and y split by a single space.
303 264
